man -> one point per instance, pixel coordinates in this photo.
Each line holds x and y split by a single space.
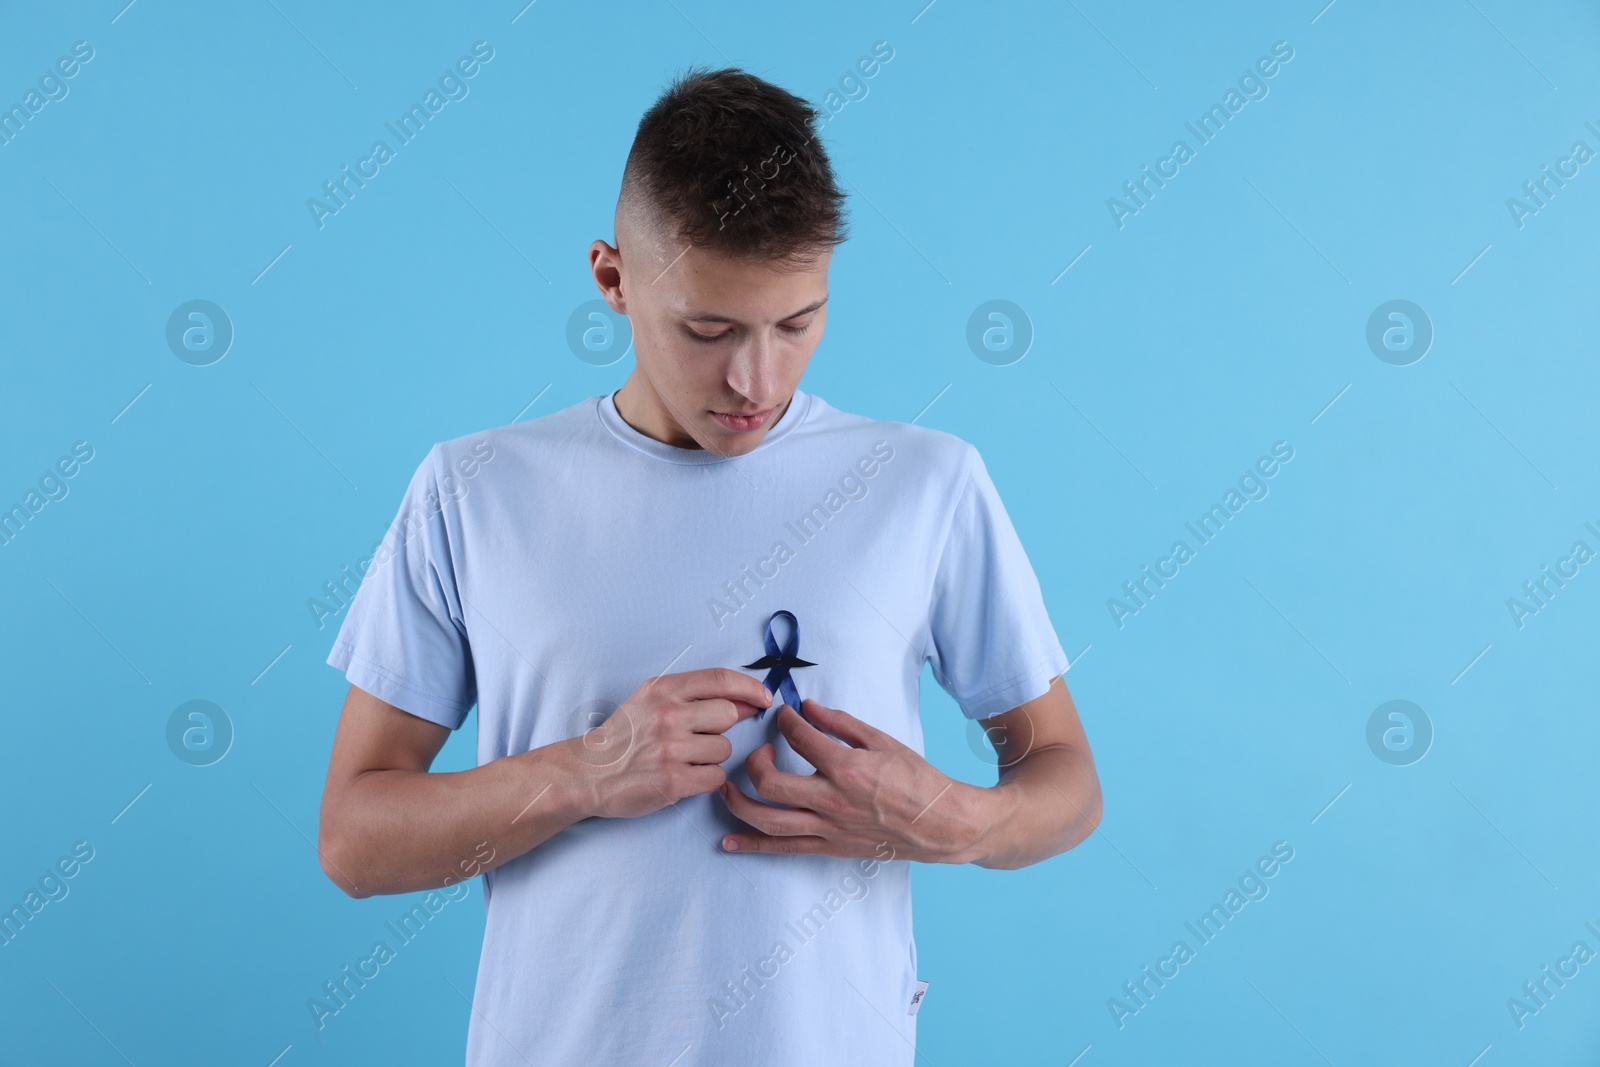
678 867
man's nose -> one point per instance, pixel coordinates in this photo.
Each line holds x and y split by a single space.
753 371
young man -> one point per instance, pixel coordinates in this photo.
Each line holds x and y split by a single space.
678 867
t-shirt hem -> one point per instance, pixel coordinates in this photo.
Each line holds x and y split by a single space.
1019 689
393 689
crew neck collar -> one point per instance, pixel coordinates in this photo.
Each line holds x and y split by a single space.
606 407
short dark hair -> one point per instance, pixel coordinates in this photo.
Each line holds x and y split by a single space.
727 161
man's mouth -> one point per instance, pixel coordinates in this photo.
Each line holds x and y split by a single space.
744 423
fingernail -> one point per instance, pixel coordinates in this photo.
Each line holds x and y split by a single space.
731 845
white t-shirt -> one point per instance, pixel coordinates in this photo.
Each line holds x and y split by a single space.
544 570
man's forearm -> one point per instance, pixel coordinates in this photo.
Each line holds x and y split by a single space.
399 831
1046 803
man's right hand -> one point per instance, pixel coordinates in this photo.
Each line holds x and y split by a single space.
392 825
666 740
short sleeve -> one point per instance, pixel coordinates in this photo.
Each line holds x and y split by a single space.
991 643
404 638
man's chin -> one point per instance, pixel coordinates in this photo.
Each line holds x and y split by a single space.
730 443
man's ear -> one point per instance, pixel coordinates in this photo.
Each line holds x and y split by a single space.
605 263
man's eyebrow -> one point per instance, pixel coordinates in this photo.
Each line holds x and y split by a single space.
808 309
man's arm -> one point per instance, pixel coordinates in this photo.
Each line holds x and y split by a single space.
878 795
390 825
1048 797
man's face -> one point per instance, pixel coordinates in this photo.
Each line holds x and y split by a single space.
714 338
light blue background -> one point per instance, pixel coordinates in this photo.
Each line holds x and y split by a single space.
1226 315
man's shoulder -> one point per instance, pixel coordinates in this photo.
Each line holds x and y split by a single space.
925 447
941 456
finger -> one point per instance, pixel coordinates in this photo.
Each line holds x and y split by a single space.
806 846
819 750
713 715
783 822
723 682
699 780
843 725
781 787
706 749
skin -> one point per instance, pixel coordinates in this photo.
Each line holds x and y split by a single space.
710 333
390 825
879 798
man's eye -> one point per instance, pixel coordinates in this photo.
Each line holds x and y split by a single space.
711 339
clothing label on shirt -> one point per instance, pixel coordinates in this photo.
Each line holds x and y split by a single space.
916 998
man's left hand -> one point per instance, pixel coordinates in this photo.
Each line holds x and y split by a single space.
877 793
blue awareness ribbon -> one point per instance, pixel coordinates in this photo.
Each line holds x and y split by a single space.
781 661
